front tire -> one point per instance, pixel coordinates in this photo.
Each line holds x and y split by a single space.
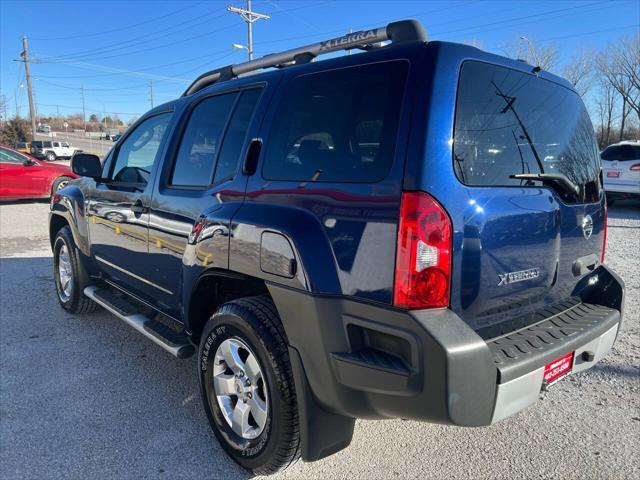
50 156
247 386
69 274
60 183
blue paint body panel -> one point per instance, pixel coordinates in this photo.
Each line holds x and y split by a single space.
343 235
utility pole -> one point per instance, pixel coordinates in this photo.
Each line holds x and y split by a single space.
249 17
84 114
151 92
15 99
27 71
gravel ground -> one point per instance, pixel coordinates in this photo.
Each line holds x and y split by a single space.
84 397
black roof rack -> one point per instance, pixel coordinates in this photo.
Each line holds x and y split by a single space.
398 32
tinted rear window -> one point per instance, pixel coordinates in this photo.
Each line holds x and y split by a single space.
509 122
622 153
337 126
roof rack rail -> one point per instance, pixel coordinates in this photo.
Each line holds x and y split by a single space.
398 32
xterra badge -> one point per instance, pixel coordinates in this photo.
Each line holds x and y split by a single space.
521 276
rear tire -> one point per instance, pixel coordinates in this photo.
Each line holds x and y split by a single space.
272 442
69 275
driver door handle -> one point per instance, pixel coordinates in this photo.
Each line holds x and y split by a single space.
138 207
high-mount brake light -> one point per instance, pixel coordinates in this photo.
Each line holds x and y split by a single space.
423 256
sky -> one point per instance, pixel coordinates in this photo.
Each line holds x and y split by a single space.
117 51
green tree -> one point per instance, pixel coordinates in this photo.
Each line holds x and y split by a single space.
93 118
14 131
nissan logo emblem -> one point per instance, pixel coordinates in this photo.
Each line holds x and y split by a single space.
587 226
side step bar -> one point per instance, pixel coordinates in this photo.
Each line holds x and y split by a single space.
174 342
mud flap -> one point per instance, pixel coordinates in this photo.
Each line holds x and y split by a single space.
322 433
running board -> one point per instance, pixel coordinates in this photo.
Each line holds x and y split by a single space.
174 342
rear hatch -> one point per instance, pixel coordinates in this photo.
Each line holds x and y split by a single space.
523 234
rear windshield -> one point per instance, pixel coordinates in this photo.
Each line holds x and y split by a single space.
621 153
509 122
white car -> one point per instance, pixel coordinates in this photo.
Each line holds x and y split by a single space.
52 150
621 170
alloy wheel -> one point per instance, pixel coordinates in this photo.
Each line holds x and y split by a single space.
65 274
240 389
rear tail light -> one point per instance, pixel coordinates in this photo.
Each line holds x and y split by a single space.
423 257
635 168
604 236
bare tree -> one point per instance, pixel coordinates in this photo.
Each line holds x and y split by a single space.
606 104
543 56
619 65
580 71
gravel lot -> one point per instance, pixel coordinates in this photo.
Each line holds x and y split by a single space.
84 397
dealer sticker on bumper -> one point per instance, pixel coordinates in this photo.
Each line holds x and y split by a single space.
556 369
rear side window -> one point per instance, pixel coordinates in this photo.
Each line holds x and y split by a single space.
337 126
234 138
200 144
46 144
508 122
621 153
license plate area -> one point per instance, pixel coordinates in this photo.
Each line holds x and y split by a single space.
554 371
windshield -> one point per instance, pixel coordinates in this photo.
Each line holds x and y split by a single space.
510 123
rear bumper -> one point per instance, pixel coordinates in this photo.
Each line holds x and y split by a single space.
627 187
367 361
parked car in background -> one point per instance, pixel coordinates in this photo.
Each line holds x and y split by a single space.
621 170
22 176
24 147
52 150
116 137
111 134
44 128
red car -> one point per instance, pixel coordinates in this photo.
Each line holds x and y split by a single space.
22 176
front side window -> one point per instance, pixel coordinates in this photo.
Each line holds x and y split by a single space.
508 123
137 154
196 159
337 126
7 156
65 144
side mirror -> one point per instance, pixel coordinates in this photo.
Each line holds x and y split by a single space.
86 165
29 163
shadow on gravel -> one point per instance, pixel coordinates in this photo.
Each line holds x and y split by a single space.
87 396
625 209
632 373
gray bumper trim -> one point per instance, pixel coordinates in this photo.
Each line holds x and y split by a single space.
519 393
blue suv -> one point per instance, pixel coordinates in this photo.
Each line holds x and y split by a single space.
415 231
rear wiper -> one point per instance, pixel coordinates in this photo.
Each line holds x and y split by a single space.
556 178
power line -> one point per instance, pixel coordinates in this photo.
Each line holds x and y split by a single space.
103 32
118 46
528 18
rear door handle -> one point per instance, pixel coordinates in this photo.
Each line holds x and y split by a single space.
138 208
251 160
